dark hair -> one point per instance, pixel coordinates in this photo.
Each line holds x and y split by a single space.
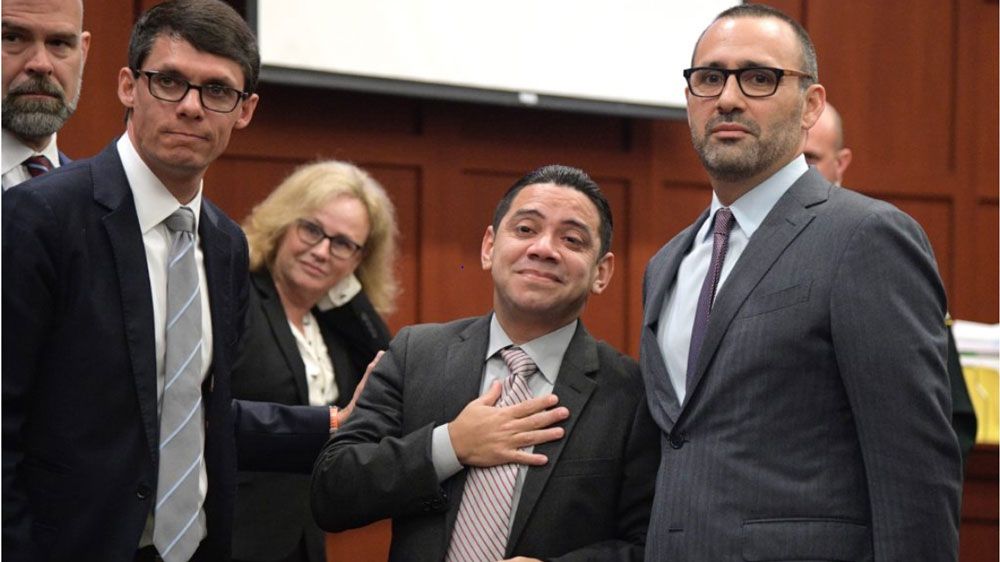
809 64
210 26
563 176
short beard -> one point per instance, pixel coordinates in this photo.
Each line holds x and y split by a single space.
756 157
37 118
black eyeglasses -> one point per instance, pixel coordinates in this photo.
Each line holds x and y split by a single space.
755 82
340 246
214 97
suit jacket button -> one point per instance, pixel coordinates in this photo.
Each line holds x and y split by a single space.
142 492
676 441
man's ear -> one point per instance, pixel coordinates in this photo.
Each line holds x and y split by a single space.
126 87
815 102
486 252
844 156
247 108
605 269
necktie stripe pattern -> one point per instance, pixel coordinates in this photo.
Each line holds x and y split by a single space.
724 221
177 525
37 165
480 533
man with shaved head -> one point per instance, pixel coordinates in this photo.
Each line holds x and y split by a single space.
825 146
44 50
793 342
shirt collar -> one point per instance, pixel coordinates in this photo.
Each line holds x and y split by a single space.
153 201
546 351
15 152
752 208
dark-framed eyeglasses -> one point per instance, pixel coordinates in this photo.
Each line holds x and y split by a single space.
214 97
340 246
755 82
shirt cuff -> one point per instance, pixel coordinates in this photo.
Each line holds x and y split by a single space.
443 456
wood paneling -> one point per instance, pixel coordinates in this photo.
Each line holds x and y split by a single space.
980 507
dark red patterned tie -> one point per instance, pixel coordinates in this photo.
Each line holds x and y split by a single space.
37 165
480 533
724 222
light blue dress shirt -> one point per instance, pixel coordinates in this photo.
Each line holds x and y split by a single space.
677 316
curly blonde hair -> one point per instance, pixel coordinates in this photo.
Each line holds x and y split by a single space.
312 186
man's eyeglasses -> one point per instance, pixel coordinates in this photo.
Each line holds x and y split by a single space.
214 97
755 82
340 246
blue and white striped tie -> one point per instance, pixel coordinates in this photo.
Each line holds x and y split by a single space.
178 520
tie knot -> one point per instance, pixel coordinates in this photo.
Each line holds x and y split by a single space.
724 221
181 220
37 165
518 361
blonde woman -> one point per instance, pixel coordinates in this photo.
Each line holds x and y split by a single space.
322 247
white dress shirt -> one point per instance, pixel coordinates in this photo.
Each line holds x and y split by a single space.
677 317
14 154
153 204
321 379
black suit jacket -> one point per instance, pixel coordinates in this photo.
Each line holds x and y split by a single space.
80 424
272 510
591 501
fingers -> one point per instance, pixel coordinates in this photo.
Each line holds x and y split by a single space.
533 405
371 366
491 395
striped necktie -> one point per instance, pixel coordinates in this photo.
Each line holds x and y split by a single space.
178 524
483 521
37 165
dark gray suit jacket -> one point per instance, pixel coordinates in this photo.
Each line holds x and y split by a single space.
591 501
817 423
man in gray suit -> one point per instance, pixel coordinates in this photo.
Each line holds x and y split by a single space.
825 150
793 342
565 474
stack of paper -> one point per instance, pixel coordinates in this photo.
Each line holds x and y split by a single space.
979 350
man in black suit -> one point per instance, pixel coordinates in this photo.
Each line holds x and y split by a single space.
85 333
44 51
572 476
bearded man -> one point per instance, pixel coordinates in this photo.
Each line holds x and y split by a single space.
44 51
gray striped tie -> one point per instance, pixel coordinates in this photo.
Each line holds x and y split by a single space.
481 527
178 526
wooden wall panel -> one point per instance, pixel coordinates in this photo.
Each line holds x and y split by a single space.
454 283
889 67
403 185
99 114
982 283
608 315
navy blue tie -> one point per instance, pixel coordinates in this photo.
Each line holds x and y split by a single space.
724 222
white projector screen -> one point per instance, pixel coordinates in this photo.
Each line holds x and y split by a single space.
620 57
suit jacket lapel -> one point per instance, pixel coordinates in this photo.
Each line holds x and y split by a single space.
215 246
278 324
111 190
664 403
789 217
574 386
458 386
